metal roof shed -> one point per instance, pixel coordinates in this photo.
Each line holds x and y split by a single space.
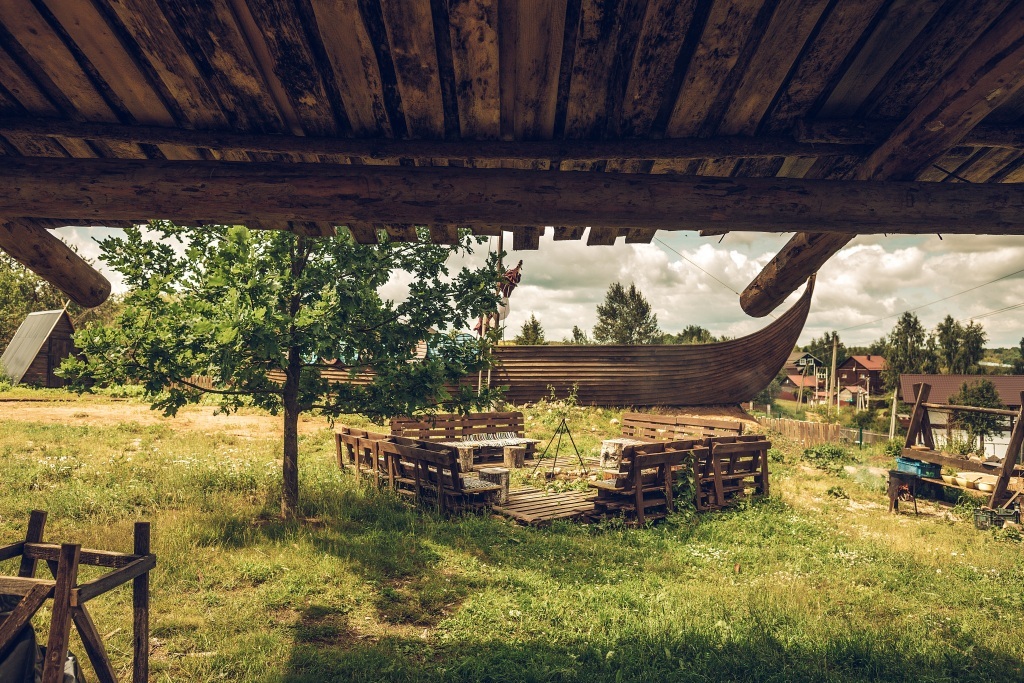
42 341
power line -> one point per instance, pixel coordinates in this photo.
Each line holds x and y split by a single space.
931 303
696 266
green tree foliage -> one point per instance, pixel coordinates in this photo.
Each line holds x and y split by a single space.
1018 363
531 333
691 334
625 317
981 394
23 292
257 312
822 349
908 350
960 347
768 395
579 337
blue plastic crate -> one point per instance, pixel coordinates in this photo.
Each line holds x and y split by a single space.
921 469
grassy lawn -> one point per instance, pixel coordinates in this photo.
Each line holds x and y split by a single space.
817 583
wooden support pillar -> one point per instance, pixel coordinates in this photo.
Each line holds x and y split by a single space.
921 392
60 618
140 610
36 526
57 263
1011 457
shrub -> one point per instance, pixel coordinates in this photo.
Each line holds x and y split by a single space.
827 456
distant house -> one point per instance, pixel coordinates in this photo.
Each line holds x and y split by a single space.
793 382
798 360
42 341
1008 387
848 395
862 371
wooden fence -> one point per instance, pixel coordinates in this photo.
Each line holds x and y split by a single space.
815 433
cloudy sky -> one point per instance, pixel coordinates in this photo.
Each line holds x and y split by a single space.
872 277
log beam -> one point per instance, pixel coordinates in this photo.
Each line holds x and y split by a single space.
987 75
391 151
54 261
127 189
873 132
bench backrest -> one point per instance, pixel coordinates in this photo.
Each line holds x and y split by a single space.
432 468
651 427
453 426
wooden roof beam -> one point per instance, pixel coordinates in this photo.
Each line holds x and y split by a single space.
400 197
51 259
873 132
386 150
987 75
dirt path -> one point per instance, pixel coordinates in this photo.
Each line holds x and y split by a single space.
247 424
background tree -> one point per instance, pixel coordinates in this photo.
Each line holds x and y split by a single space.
768 395
960 347
1018 363
822 349
258 311
531 333
578 337
981 394
625 318
907 350
23 292
691 334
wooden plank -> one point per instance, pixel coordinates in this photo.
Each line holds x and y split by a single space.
1010 459
574 152
654 65
822 60
473 25
105 189
60 615
538 45
602 236
942 42
96 558
93 644
789 29
895 30
54 261
526 238
363 233
562 233
444 234
727 31
410 31
34 534
22 614
140 608
92 589
404 232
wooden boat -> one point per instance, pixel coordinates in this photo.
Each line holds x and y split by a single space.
679 375
653 375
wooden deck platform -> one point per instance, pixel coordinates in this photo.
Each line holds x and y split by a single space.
537 508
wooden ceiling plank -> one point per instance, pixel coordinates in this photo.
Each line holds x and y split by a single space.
727 30
796 167
473 26
717 168
486 230
903 20
211 35
363 233
444 234
987 74
538 49
53 260
922 65
292 65
987 163
410 28
563 233
784 39
401 232
664 30
640 235
24 90
350 51
596 43
313 228
822 60
526 238
121 189
602 236
94 37
155 38
875 132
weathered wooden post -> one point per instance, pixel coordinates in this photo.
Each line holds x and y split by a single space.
499 476
515 456
140 610
466 458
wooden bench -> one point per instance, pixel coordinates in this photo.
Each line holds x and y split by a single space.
642 489
651 427
473 429
428 476
730 468
355 446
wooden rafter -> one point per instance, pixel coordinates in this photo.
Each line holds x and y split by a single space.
987 75
404 197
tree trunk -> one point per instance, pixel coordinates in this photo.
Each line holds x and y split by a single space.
290 392
290 473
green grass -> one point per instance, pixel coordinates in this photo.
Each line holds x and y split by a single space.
809 585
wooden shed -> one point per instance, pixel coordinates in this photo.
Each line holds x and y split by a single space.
42 341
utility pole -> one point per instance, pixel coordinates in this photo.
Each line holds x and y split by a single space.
892 417
832 379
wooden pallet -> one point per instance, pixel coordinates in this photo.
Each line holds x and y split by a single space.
537 508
